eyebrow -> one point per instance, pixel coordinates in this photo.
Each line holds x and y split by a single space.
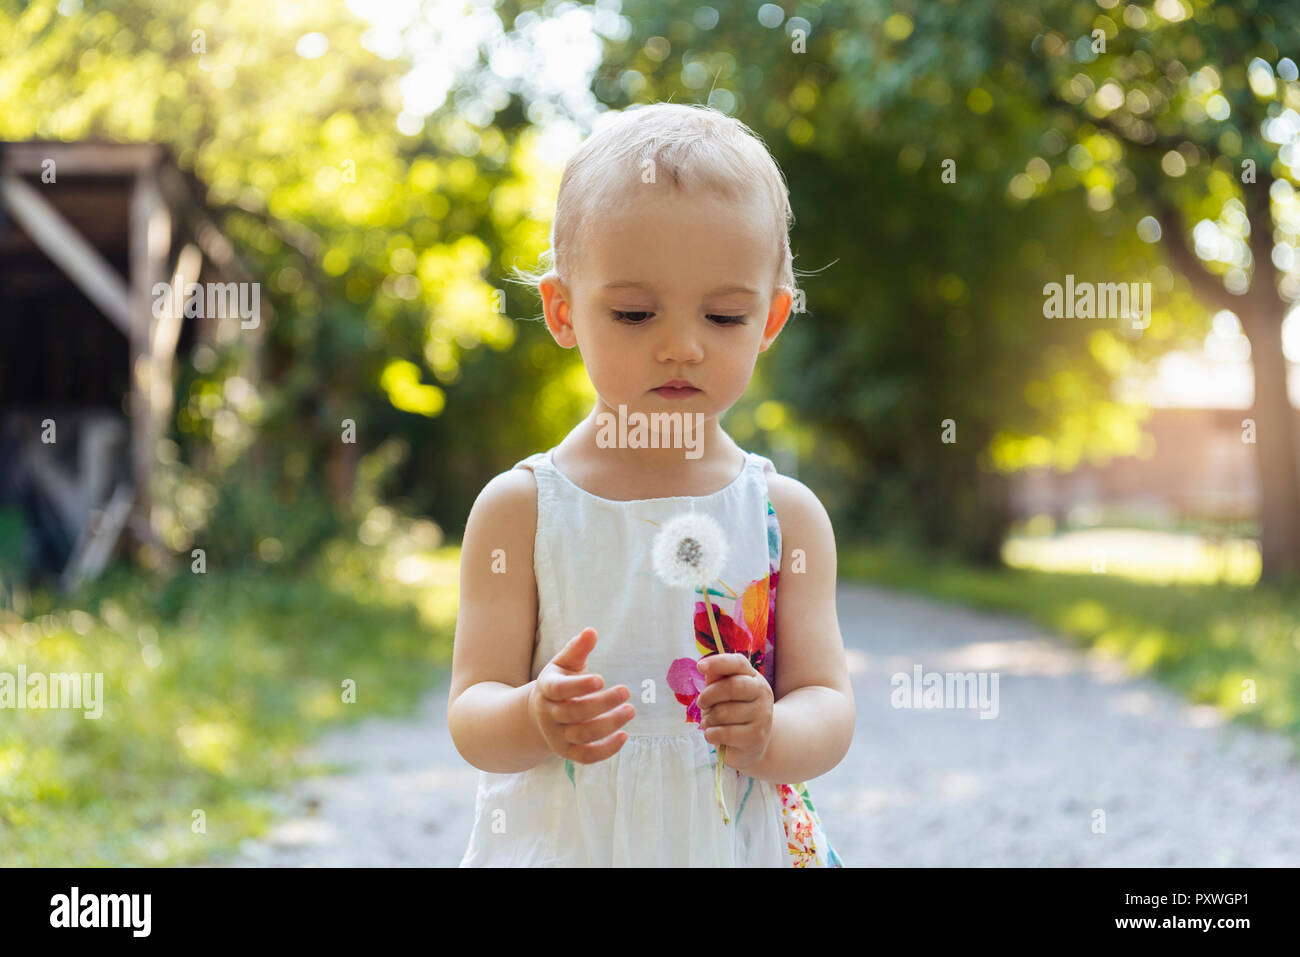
720 291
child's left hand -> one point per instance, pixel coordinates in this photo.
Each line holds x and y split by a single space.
736 708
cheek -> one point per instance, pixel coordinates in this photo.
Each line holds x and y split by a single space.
735 364
608 357
612 351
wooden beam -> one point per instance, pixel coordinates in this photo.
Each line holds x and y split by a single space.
97 540
150 244
188 263
223 260
166 333
83 159
59 240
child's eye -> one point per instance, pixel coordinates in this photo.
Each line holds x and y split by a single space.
636 318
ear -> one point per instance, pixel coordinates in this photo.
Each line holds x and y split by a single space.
777 314
556 308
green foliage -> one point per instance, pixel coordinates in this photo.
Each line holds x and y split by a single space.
210 685
12 533
255 521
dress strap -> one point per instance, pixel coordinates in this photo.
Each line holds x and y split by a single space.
549 489
531 462
762 462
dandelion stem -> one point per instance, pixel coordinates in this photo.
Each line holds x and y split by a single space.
722 748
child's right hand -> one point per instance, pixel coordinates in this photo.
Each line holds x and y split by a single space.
578 720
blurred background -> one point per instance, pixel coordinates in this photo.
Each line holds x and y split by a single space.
230 513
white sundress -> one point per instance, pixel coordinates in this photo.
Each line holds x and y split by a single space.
652 803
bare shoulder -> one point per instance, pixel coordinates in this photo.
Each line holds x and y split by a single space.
502 522
508 499
798 509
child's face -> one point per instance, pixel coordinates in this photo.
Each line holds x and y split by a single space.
676 261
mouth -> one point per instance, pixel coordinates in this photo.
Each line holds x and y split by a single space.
676 389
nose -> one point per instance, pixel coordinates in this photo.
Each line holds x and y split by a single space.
680 342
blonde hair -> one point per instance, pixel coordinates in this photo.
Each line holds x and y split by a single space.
690 146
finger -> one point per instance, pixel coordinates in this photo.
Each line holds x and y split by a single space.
561 687
734 688
599 727
714 667
573 656
597 750
738 737
587 707
723 734
728 712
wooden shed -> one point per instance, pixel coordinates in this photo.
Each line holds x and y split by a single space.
88 231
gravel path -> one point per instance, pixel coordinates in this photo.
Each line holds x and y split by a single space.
940 787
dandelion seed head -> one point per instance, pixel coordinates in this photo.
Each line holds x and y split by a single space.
689 550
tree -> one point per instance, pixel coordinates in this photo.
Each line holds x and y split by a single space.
1197 104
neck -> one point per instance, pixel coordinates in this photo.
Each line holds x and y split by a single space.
686 440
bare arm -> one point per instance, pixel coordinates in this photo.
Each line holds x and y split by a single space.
814 712
487 705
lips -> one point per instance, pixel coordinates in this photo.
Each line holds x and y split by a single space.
676 389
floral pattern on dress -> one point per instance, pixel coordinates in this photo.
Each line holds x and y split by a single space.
744 625
803 829
748 625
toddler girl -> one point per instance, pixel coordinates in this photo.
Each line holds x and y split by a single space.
590 692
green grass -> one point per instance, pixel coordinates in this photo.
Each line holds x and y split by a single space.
1207 641
210 684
